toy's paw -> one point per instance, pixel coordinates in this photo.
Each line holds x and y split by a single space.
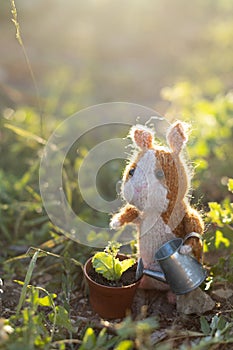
186 249
171 297
115 223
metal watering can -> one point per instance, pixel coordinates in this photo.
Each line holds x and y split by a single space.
182 272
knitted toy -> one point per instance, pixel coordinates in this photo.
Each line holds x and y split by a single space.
155 186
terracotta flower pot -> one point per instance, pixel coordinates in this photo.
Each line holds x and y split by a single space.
109 302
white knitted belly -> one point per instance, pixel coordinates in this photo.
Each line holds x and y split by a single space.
151 239
149 242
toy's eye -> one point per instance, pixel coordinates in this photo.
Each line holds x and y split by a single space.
159 174
131 172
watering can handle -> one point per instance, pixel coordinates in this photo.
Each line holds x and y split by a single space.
193 234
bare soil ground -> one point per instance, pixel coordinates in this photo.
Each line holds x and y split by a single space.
173 326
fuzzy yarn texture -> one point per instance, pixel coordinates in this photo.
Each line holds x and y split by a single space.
155 186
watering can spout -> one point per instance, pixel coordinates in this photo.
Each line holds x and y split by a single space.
158 275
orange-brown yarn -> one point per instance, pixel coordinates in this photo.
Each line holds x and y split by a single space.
129 214
143 138
179 215
169 166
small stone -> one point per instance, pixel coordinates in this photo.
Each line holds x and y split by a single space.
195 302
223 293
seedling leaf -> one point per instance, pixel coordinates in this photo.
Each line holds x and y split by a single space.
110 266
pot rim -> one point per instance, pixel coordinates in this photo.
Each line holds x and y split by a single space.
104 286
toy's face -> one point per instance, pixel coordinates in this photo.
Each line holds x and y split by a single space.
144 184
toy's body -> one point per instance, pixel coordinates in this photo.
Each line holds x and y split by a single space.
155 186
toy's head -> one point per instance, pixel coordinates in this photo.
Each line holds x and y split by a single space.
156 178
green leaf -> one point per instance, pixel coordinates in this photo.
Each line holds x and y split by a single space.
147 325
102 338
205 327
214 324
219 238
215 212
89 340
125 345
46 301
117 269
221 323
62 318
109 266
129 328
230 185
112 248
126 264
214 206
105 265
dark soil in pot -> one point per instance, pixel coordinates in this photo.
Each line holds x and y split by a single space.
127 278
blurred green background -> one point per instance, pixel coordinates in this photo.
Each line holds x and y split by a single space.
104 50
173 56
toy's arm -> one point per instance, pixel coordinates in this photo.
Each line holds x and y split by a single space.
193 223
127 214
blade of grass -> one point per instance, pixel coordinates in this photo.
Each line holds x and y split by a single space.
25 133
41 253
5 231
20 41
51 243
26 282
34 194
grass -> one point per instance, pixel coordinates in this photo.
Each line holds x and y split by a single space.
49 317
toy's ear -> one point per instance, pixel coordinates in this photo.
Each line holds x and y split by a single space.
142 136
177 136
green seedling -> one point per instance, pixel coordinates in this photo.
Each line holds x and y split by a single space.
109 265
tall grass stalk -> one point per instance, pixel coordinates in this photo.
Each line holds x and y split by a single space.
20 41
27 281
